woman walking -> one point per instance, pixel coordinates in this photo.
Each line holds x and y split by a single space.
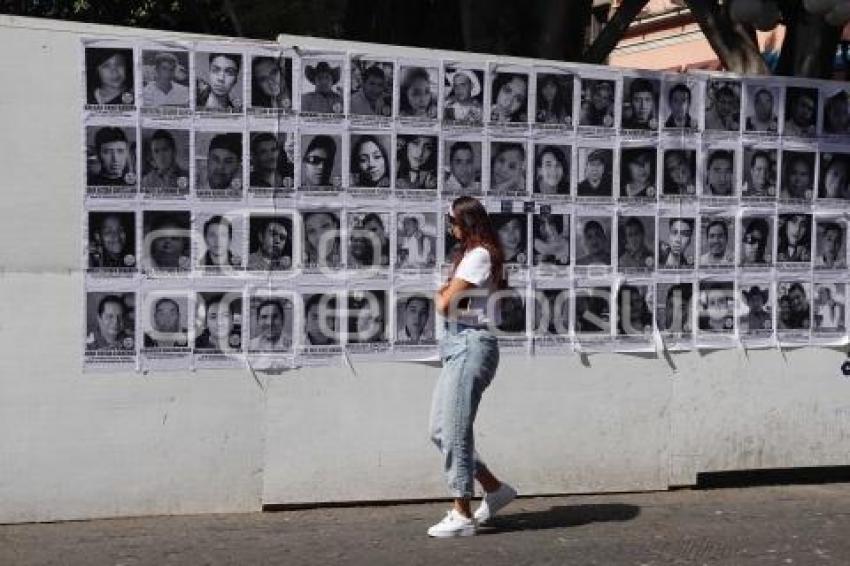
470 356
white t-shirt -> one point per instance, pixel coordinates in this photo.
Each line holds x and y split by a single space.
475 268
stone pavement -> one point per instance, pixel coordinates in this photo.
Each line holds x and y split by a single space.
804 525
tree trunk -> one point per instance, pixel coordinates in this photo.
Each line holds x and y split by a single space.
613 31
809 47
734 43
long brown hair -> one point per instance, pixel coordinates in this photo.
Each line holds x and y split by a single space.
477 230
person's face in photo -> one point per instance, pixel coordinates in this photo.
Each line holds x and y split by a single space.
219 320
416 314
419 150
727 104
113 72
643 106
680 102
680 237
639 171
370 160
755 302
222 165
510 235
759 171
716 238
164 247
165 73
804 111
112 235
720 176
223 74
795 229
835 178
800 177
678 169
111 321
166 317
217 238
797 300
763 106
603 97
549 91
319 329
594 171
267 154
512 95
162 154
717 304
114 157
634 237
373 87
273 240
369 322
831 243
316 168
324 82
410 226
548 228
267 76
461 87
594 240
419 96
550 172
317 226
753 244
508 166
270 322
463 166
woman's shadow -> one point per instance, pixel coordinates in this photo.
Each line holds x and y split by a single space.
560 517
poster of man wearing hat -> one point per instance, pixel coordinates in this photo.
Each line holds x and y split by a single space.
321 92
463 103
755 312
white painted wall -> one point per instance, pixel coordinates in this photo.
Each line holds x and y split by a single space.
98 445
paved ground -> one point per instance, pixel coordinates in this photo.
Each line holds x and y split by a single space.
805 525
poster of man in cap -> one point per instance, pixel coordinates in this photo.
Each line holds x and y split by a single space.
321 90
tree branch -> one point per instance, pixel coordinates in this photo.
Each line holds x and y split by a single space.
733 42
613 31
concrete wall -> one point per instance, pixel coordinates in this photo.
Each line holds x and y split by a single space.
98 445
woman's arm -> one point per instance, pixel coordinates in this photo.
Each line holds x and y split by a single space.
450 294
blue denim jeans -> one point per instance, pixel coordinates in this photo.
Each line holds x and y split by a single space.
470 357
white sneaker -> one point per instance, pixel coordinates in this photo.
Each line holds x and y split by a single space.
453 525
492 502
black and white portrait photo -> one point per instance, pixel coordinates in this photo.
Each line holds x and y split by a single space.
218 82
272 160
593 240
680 106
370 162
551 239
801 111
723 105
165 161
636 243
512 231
418 92
638 173
509 97
508 167
416 240
271 83
166 242
676 242
109 76
674 305
830 243
110 321
719 178
794 238
716 307
414 318
166 320
836 111
320 319
552 169
595 172
552 312
511 306
416 162
368 239
554 99
717 241
271 322
640 103
793 305
593 310
371 87
218 164
829 309
755 313
756 240
321 161
218 322
112 241
834 176
798 175
679 177
320 246
165 79
463 102
321 86
760 173
220 239
762 108
367 317
634 310
597 103
462 166
270 242
111 156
